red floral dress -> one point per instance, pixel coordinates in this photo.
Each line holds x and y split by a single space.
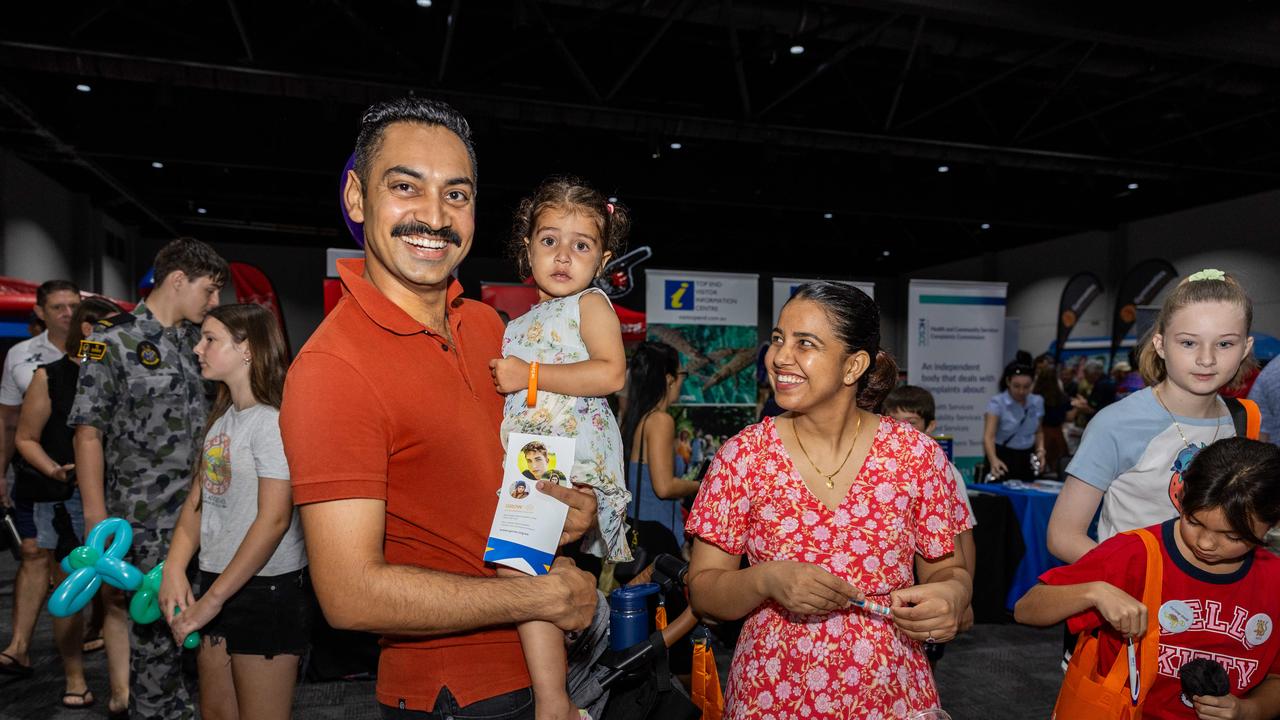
848 664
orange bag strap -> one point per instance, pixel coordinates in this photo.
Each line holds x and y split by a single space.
1148 648
1253 419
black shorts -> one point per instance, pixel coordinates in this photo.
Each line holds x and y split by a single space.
269 616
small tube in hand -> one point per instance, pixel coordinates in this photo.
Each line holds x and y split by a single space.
874 608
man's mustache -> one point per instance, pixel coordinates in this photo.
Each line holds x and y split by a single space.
414 227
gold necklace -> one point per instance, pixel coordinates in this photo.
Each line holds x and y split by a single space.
830 483
1187 445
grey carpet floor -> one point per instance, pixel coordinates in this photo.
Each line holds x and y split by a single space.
995 672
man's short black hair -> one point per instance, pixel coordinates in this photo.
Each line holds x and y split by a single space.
374 123
194 258
49 287
912 399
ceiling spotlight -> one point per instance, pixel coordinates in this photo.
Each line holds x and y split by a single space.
201 211
797 49
157 164
885 253
83 88
1133 186
944 168
654 156
613 199
676 146
985 226
827 216
423 3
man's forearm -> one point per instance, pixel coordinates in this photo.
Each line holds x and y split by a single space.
90 473
408 600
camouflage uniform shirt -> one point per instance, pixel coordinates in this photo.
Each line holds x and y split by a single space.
140 385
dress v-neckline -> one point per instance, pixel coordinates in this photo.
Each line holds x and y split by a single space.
794 472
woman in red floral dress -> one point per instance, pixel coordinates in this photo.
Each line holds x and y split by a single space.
832 504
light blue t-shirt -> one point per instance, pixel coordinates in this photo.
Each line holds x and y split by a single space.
1132 451
1266 392
1018 423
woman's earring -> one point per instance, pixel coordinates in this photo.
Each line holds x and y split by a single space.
246 359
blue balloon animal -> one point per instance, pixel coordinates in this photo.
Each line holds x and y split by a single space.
92 564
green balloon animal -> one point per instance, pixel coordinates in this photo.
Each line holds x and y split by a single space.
144 608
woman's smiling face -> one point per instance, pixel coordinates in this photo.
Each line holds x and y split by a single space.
806 361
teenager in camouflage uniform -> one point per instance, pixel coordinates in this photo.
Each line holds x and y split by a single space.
139 415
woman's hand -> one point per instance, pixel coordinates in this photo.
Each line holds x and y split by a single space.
510 374
1042 457
929 613
1218 707
998 468
194 617
1127 615
805 588
175 592
60 472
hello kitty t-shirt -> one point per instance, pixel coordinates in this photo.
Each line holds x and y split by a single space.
1133 452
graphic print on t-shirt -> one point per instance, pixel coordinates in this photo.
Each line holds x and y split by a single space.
1180 465
217 465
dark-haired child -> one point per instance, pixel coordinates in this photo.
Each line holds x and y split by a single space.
914 406
561 360
1218 594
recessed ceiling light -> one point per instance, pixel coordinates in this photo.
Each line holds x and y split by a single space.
885 253
1133 186
985 226
944 168
157 164
654 156
676 146
424 3
827 216
201 211
83 88
797 49
613 199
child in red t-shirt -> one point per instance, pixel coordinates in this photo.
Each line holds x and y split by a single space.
1218 597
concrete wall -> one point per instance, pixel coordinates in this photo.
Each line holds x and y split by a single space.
1239 236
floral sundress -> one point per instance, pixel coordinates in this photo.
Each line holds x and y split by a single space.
549 334
846 664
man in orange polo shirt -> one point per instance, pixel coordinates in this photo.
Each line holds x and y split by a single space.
390 423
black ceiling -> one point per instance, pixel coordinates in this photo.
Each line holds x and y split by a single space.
1044 114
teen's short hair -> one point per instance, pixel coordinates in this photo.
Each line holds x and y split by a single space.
912 399
49 287
1237 476
533 448
194 258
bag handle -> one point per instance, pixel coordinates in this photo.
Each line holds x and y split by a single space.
1148 649
1246 416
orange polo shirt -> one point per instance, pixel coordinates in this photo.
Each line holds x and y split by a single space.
378 406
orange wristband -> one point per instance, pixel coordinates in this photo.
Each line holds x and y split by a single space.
531 398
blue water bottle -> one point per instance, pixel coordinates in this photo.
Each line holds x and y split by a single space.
629 618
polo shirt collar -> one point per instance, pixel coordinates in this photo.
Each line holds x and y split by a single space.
377 306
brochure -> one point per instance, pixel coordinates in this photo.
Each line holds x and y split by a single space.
527 525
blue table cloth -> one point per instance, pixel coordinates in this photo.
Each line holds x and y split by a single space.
1032 508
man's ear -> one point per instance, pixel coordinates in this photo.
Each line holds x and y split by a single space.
353 197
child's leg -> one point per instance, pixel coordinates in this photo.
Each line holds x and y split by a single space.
264 686
217 688
544 653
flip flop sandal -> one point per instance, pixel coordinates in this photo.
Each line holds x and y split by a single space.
13 667
86 700
93 644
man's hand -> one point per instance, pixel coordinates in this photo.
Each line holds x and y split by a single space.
510 374
582 508
576 604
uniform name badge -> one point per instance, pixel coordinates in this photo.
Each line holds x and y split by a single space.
148 354
527 525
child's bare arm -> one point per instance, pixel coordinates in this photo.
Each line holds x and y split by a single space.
603 374
1049 604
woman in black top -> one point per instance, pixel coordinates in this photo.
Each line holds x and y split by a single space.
44 441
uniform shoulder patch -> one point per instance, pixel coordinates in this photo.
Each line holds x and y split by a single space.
92 349
123 318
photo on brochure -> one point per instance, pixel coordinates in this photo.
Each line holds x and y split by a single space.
527 524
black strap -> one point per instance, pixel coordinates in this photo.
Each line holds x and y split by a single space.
1026 410
635 494
1239 416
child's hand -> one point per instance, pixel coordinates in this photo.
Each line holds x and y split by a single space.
1126 615
1225 707
510 374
